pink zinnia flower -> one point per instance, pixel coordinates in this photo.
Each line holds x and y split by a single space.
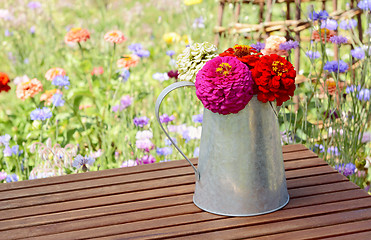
128 61
28 89
224 85
114 37
77 35
272 46
97 71
53 72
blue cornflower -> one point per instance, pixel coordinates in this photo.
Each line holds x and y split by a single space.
57 100
313 55
141 121
333 150
12 178
135 47
329 24
258 46
197 118
16 151
81 161
41 114
365 5
336 66
346 170
166 118
32 30
289 45
348 24
160 76
364 95
350 89
170 53
7 33
7 151
4 139
168 142
164 151
142 53
138 50
124 75
338 39
320 148
33 5
321 15
358 53
61 81
198 23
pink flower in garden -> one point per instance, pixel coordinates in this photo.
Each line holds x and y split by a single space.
144 144
85 106
28 89
114 37
128 61
326 34
146 159
48 94
97 71
77 35
224 85
53 72
272 46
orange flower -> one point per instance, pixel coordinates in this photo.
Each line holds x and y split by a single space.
325 35
272 46
28 89
77 35
97 71
53 72
114 37
329 86
4 80
48 94
128 61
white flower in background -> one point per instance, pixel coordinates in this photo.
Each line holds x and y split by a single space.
146 134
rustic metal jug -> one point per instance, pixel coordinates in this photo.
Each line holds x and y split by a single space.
240 167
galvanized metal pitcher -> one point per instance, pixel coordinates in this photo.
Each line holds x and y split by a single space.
240 167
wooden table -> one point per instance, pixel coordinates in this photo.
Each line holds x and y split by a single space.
155 202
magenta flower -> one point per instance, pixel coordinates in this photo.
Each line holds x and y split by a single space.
146 159
224 85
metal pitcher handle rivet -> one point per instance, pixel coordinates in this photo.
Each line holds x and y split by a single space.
159 100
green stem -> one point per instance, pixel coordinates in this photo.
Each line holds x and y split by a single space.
81 50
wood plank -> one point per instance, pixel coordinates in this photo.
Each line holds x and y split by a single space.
342 230
360 235
281 221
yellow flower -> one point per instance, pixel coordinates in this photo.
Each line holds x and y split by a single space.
171 37
186 39
192 2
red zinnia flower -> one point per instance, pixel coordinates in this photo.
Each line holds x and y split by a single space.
244 53
4 80
274 77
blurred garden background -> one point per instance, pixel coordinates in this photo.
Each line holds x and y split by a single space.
89 105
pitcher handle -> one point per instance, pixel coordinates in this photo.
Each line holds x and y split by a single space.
161 97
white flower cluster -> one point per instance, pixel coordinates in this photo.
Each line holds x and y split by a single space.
193 59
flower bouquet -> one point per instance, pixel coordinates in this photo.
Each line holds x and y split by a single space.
240 167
